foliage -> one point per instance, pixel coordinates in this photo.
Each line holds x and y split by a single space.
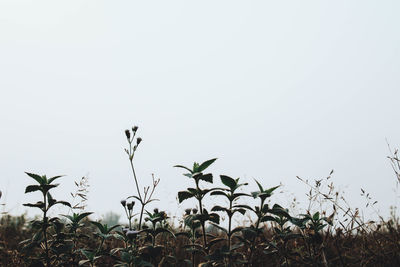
329 232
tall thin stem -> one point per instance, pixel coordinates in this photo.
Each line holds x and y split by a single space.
136 181
141 216
230 232
44 229
203 227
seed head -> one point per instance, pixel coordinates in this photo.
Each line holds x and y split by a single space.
155 210
123 202
194 211
134 129
138 140
128 134
130 205
187 211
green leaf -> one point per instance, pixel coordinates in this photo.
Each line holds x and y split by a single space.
278 210
219 193
65 203
245 207
101 227
54 178
188 175
88 254
47 187
229 182
112 228
183 195
219 208
193 191
316 216
38 204
213 217
205 165
259 186
236 229
38 178
82 215
207 177
32 188
267 218
272 189
241 211
183 167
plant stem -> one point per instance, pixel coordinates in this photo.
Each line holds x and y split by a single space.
44 229
203 228
136 182
141 215
229 234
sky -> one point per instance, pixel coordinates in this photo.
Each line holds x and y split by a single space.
273 89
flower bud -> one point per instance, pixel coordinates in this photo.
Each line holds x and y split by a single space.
138 140
194 211
130 205
134 128
123 202
128 134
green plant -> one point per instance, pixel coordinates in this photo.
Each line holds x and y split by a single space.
250 234
232 196
196 173
148 191
44 185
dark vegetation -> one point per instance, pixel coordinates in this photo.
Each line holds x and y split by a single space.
328 233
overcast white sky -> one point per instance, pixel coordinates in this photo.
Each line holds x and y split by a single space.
274 89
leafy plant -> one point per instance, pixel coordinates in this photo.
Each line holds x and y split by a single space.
232 196
250 234
44 185
196 173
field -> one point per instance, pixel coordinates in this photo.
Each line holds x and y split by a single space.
328 233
